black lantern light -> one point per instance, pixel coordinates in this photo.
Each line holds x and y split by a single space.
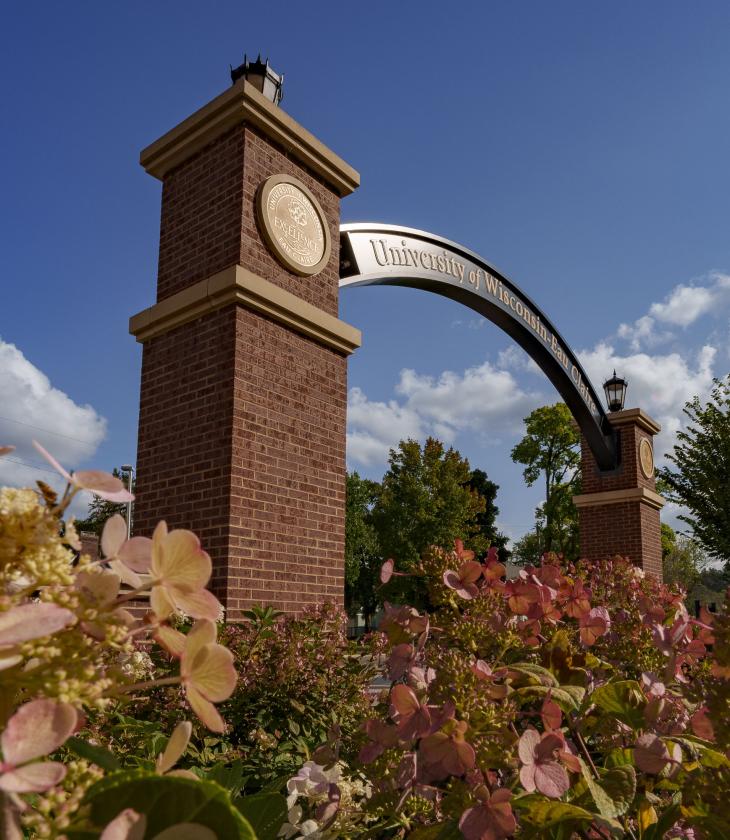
261 76
615 389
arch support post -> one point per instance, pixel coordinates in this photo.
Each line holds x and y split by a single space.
619 509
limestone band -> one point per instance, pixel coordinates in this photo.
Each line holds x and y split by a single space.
384 254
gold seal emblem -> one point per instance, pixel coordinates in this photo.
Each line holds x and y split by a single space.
646 458
293 225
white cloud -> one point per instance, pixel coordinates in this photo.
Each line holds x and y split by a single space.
643 333
515 358
32 408
484 399
660 384
684 305
376 427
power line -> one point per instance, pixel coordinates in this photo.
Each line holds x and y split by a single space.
49 431
30 466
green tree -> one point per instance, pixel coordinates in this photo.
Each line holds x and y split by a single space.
99 510
528 550
362 553
683 563
700 476
487 520
550 450
425 499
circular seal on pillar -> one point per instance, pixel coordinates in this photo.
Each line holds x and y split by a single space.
293 225
646 458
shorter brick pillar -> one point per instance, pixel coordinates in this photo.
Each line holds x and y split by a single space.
619 510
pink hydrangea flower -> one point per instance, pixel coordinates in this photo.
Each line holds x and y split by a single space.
540 768
593 625
413 718
464 581
386 571
492 819
651 754
36 729
207 672
180 571
101 484
447 752
126 557
25 622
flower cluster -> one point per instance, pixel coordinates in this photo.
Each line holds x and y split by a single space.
68 642
575 700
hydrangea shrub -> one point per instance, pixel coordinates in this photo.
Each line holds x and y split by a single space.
576 701
69 646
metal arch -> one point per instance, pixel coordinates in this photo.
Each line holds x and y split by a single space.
377 254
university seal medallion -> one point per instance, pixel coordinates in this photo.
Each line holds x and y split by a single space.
646 458
293 225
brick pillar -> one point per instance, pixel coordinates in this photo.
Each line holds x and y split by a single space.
619 510
244 365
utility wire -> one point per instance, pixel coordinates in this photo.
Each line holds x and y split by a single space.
49 431
30 466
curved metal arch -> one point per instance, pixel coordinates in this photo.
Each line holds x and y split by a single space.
376 254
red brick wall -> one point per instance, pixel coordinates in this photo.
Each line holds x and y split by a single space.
185 433
200 224
628 473
288 491
631 529
242 421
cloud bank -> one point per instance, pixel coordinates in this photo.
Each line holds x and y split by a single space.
682 307
31 408
485 399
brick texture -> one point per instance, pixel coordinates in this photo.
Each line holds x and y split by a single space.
242 421
632 528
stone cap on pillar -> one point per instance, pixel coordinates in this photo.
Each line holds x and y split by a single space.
243 103
634 416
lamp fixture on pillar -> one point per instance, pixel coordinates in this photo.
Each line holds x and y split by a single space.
261 76
615 389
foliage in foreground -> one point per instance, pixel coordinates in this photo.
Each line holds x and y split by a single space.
68 647
575 701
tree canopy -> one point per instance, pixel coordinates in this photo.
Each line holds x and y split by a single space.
362 552
550 450
700 476
487 520
426 499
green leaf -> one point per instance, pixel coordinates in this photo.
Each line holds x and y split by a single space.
534 674
166 801
567 697
623 699
265 812
100 756
619 757
702 750
615 791
665 822
544 814
228 776
442 831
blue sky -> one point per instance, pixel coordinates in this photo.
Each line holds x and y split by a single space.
580 147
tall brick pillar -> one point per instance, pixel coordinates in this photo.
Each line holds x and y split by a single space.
619 510
244 366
